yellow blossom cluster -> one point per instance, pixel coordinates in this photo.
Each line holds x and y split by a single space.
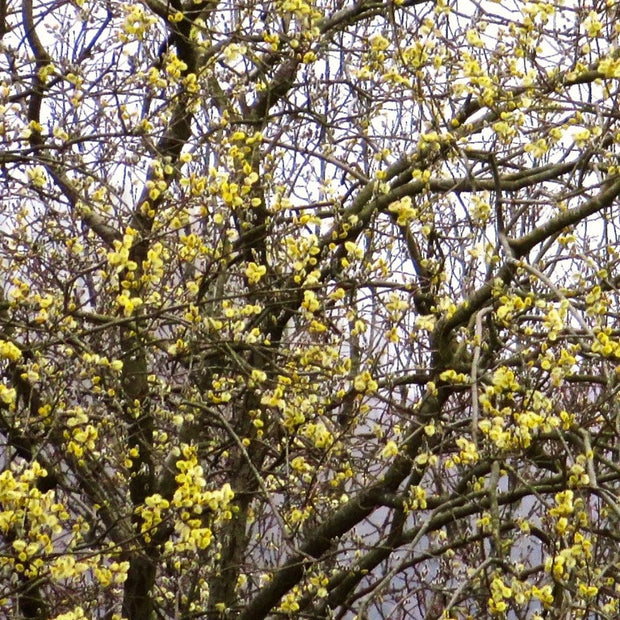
503 594
507 127
478 80
254 272
289 604
480 209
570 559
468 451
606 345
499 593
8 395
389 450
80 434
34 521
301 252
118 258
555 319
510 426
404 210
9 351
127 302
153 512
417 498
558 363
452 376
364 383
578 471
318 434
396 306
610 67
306 12
77 613
137 22
537 148
196 508
417 55
511 305
297 516
153 266
109 573
37 175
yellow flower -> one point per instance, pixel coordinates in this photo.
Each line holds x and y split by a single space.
128 303
255 272
379 43
37 176
390 450
592 24
7 395
504 379
469 452
581 136
610 67
473 38
404 210
310 302
537 148
9 351
365 383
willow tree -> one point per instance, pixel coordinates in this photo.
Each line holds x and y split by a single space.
309 308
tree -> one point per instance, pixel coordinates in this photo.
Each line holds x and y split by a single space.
309 309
